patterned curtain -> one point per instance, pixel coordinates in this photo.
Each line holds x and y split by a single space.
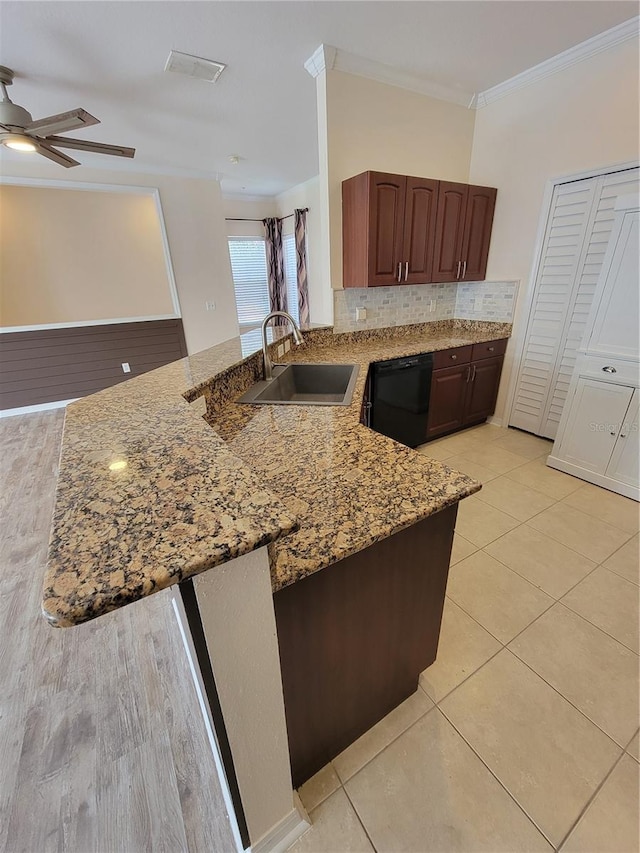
275 267
300 225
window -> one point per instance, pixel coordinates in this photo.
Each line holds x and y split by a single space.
291 275
249 269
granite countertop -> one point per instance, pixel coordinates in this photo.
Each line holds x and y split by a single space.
150 494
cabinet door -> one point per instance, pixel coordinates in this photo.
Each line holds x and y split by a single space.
419 230
452 205
386 221
597 411
624 465
478 220
446 402
483 389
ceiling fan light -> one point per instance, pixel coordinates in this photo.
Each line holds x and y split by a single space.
18 142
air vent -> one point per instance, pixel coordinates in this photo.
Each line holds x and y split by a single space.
194 66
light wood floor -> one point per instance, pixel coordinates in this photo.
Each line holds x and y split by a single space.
102 746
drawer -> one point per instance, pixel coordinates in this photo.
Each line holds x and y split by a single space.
489 349
608 368
450 357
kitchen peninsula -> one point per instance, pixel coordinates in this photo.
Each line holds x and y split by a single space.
150 496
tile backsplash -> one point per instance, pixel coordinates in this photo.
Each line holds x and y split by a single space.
398 305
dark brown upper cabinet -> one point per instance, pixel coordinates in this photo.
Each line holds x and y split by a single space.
388 229
405 230
463 232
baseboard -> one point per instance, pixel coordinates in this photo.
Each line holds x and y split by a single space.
495 421
285 832
616 486
39 407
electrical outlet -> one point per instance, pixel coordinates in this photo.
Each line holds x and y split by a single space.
210 305
287 345
280 350
361 313
125 367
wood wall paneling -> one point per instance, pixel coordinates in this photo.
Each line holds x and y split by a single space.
46 365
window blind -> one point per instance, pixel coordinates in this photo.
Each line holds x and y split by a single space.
249 269
291 275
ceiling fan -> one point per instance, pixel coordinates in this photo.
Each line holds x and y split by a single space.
19 131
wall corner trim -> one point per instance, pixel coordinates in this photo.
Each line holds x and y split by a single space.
597 44
322 59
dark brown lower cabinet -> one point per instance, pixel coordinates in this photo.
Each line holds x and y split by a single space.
355 637
465 393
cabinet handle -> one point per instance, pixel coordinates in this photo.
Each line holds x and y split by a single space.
399 271
609 369
473 378
464 269
468 373
454 357
406 269
458 270
491 349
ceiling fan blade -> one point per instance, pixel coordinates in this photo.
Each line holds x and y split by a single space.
51 154
62 122
86 145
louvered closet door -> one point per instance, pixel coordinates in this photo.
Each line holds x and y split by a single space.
579 227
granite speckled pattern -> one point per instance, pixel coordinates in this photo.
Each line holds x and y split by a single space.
311 482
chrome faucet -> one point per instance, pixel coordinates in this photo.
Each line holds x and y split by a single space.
297 337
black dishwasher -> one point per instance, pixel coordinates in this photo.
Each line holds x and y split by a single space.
400 398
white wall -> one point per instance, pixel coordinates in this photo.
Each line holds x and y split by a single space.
581 118
374 126
252 208
194 220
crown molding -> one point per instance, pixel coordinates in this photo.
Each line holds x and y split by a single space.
328 58
604 41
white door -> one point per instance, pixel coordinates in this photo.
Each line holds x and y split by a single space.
580 223
625 460
597 415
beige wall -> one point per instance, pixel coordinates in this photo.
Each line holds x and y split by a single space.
194 219
374 126
578 119
68 256
239 208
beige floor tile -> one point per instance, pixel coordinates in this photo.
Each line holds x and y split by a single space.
547 564
606 506
463 647
626 561
335 827
610 603
524 444
381 735
461 548
494 458
319 787
537 475
499 599
428 791
590 537
487 432
438 451
633 747
610 824
515 499
472 469
480 523
544 751
593 671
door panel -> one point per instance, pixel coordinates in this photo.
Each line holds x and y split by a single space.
446 403
483 389
419 230
597 412
386 219
452 202
481 203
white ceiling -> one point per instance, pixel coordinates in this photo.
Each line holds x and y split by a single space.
108 57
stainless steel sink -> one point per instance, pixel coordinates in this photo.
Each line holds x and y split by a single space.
305 385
